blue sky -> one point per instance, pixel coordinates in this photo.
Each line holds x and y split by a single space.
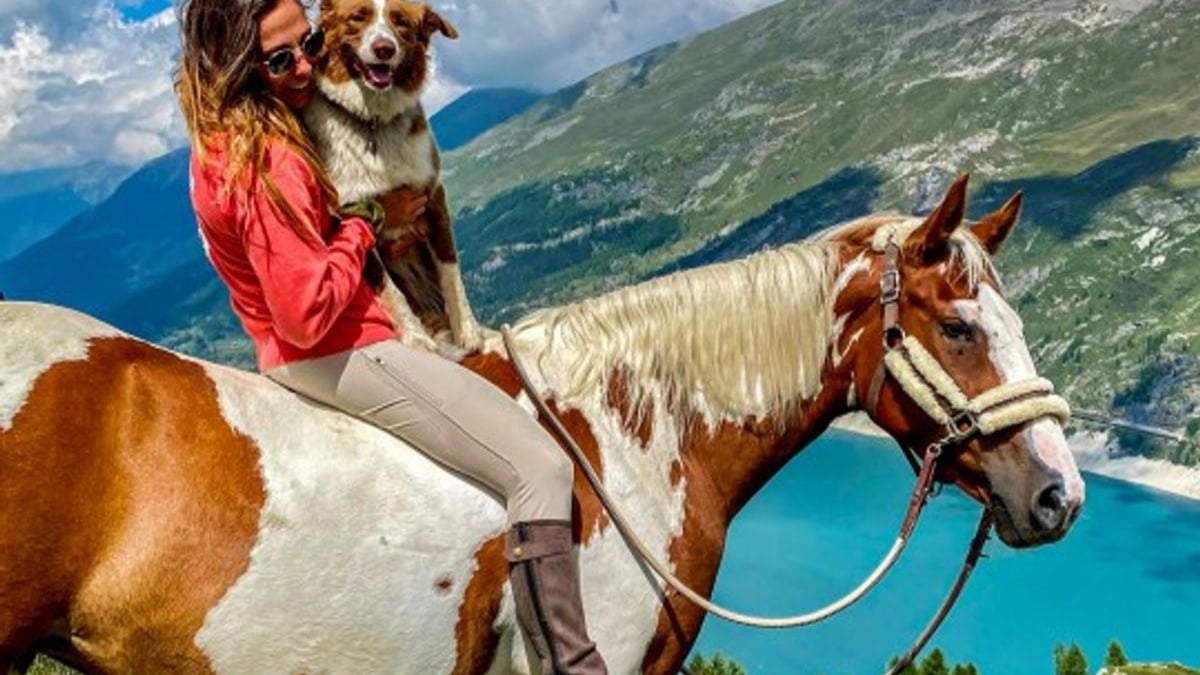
144 10
86 80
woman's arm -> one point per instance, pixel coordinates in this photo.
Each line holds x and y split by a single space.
307 283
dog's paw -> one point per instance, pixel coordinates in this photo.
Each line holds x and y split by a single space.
421 340
471 338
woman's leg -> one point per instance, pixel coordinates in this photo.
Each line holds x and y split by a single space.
466 423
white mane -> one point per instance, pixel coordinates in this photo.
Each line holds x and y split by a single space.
733 340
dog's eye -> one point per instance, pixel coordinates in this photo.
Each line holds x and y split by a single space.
401 20
360 16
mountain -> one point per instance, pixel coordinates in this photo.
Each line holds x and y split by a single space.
187 310
122 246
475 112
762 131
135 259
34 204
808 113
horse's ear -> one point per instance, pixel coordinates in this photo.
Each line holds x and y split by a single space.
995 227
934 234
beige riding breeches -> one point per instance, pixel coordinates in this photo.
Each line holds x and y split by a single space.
448 412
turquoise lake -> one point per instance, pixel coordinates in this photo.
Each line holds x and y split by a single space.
1129 569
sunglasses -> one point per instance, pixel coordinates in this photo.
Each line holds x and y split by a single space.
281 61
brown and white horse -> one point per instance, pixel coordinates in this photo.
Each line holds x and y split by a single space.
159 514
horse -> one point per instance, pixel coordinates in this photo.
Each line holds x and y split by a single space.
163 514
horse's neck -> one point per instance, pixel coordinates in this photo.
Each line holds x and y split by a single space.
736 458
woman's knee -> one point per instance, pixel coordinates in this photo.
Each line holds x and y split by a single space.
549 471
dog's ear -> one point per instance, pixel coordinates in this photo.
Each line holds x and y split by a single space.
433 22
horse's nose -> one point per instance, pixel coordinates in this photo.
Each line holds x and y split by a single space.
384 49
1050 508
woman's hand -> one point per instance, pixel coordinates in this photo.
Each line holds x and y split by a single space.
406 223
404 205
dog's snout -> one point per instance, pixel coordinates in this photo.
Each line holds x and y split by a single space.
383 48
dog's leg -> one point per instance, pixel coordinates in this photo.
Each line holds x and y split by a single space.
464 329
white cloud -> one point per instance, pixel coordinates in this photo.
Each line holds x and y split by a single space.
553 43
106 94
79 82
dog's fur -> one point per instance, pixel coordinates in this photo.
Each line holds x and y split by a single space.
373 137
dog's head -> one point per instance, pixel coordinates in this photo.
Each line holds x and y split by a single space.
383 44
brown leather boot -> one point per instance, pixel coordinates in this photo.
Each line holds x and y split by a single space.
545 586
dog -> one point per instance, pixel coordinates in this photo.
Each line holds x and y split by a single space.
372 135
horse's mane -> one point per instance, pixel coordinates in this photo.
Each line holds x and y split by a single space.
731 340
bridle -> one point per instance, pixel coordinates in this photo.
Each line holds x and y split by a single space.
926 383
924 380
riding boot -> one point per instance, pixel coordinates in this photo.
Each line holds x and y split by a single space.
545 585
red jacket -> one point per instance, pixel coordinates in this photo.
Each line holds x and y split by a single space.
296 298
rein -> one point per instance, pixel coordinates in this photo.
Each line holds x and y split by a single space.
925 381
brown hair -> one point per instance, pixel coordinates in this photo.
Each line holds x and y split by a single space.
222 95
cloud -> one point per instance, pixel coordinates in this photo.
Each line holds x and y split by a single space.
553 43
82 80
105 94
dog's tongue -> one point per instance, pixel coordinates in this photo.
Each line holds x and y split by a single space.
379 77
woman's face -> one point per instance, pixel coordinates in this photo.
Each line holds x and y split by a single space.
283 27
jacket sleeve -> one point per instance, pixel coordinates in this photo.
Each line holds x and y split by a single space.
307 282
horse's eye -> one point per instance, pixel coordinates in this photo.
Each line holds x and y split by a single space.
959 331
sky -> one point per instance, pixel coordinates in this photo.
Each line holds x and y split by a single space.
88 80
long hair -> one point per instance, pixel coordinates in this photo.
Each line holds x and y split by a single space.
222 96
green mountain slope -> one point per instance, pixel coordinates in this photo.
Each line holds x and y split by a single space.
811 112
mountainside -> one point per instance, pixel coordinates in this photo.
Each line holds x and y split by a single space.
122 246
476 111
34 204
770 128
808 113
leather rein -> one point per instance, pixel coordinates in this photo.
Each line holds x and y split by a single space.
926 383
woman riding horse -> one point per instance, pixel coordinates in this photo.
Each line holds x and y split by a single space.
295 274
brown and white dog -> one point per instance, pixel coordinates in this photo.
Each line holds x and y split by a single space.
370 129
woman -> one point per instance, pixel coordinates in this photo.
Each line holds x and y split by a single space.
295 277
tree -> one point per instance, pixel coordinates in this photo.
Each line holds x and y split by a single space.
934 664
1069 660
1116 656
717 665
968 669
910 669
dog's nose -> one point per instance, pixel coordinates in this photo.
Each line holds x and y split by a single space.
384 49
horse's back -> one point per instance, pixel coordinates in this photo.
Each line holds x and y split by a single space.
203 518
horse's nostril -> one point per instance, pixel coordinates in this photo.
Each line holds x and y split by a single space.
1050 508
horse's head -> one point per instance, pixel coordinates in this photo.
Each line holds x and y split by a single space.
941 362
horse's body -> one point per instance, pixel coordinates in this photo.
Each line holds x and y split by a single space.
161 514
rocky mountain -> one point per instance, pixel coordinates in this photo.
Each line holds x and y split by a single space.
810 112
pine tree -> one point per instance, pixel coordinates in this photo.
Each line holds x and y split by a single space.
968 669
935 664
1116 656
718 665
910 669
1069 661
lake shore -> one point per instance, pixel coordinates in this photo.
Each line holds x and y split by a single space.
1092 455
